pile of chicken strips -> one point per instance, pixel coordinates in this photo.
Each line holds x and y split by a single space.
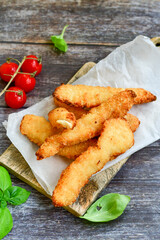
91 126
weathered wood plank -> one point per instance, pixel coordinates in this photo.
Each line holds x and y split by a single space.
89 21
94 22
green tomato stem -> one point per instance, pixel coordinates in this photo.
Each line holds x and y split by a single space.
8 75
8 84
31 74
19 92
38 59
8 60
24 73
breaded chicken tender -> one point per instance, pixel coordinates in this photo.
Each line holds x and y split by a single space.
115 139
61 118
90 96
78 111
89 125
133 121
71 152
36 128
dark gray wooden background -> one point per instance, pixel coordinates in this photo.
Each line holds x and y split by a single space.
95 29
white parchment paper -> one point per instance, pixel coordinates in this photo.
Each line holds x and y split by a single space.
135 64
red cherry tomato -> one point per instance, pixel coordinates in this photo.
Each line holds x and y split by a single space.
25 81
32 65
15 97
8 68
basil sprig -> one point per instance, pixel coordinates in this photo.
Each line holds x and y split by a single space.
13 195
59 41
6 222
107 208
5 180
16 195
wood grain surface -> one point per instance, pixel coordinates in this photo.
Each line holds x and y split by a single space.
96 28
110 21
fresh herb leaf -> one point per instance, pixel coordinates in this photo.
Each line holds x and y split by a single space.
6 222
107 208
1 195
13 195
3 203
16 195
5 180
6 195
59 41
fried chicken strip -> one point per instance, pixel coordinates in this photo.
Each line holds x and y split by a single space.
133 121
78 111
89 125
62 118
36 128
71 152
90 96
115 139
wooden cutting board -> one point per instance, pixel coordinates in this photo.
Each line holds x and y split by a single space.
15 163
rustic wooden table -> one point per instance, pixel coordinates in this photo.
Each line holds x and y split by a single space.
95 29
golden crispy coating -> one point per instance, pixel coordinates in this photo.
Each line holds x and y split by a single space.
61 118
72 152
133 121
89 125
36 128
114 140
78 111
90 96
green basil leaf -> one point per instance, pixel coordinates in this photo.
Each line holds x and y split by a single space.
6 195
60 44
107 208
59 41
5 180
6 222
3 203
16 195
1 195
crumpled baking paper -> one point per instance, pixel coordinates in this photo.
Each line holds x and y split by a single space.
135 64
